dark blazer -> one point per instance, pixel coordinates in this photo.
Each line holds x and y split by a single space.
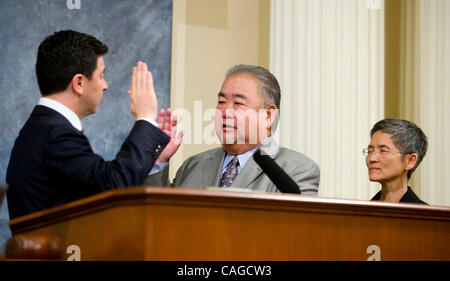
52 163
408 197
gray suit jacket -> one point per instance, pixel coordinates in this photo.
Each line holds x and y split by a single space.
204 169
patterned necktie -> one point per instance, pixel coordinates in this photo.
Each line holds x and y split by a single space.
230 173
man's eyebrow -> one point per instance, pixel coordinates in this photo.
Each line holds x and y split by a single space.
241 96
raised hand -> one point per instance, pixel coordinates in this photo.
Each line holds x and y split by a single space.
143 100
168 124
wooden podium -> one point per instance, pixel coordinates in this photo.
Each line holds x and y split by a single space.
151 223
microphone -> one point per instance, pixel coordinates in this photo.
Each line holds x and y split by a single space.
279 177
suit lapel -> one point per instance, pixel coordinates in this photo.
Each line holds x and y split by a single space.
212 167
248 174
252 170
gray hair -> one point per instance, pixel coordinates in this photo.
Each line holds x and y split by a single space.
407 137
268 87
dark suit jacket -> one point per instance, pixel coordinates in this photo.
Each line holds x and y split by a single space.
52 163
408 197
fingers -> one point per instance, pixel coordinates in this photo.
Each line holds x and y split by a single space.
167 121
140 78
144 103
174 121
161 119
179 139
173 126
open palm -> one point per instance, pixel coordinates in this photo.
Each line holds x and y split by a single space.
168 124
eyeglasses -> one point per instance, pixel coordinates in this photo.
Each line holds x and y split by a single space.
378 152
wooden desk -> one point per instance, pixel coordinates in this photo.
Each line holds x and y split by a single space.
150 223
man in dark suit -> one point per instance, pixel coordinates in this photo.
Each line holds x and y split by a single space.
52 162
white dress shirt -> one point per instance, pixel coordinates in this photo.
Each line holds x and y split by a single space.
63 110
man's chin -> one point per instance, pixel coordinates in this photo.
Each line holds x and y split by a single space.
232 140
87 113
228 141
225 138
93 111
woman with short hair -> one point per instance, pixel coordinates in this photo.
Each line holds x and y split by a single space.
396 149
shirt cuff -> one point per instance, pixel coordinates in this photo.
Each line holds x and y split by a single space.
157 167
153 122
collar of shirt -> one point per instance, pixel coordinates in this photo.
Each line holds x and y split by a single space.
243 159
63 110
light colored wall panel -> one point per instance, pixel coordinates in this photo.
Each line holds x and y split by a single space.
329 58
209 37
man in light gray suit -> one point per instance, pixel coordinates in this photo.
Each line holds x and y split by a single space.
246 116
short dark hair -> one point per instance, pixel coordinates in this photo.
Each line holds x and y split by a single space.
407 137
63 55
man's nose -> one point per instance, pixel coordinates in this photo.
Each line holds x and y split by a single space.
228 113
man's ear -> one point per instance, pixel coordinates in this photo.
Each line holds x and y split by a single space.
77 84
411 160
272 112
